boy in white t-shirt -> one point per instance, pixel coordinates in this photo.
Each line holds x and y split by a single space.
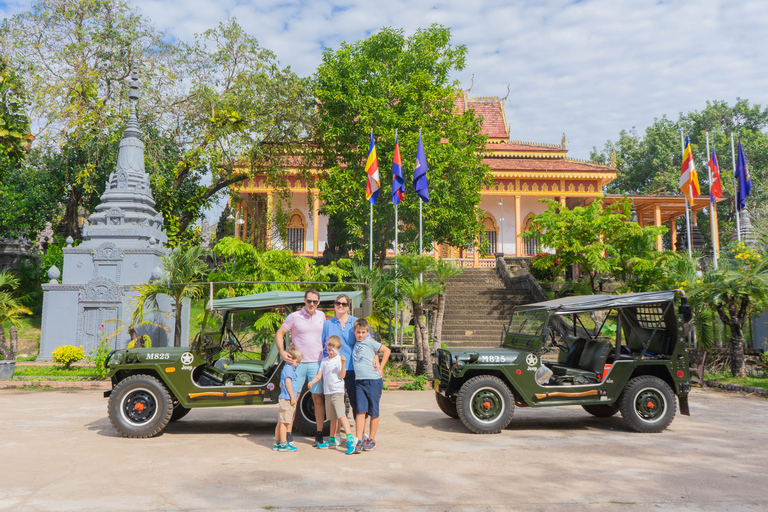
332 372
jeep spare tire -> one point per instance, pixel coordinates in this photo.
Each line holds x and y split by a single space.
140 406
647 404
304 421
485 404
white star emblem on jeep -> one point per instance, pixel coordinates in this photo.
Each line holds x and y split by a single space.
187 357
531 359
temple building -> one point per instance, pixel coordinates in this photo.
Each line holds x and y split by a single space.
523 173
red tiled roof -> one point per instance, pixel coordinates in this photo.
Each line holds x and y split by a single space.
492 112
508 146
519 164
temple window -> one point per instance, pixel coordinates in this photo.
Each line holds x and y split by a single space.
490 235
531 245
297 229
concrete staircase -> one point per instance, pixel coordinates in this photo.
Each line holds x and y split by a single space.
478 308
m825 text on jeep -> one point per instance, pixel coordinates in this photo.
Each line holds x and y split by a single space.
154 386
638 373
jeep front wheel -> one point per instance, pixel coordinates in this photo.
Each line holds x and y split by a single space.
647 404
485 404
140 406
447 406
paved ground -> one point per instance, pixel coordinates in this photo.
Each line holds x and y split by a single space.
58 452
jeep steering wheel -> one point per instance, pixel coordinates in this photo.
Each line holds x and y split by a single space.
233 342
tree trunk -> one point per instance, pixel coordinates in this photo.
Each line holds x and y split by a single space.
3 348
738 366
177 326
14 341
437 323
70 223
421 338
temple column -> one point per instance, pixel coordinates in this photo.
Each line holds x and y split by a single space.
673 232
562 200
315 224
476 257
657 223
518 229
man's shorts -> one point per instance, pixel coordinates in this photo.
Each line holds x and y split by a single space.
306 372
368 395
286 411
334 406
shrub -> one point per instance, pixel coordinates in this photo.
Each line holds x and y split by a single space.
543 267
67 354
98 355
417 384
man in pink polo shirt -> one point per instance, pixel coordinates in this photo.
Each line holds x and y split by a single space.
306 328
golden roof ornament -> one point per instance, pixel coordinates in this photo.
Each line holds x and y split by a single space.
613 159
562 141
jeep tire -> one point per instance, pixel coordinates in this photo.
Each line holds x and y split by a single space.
647 404
446 405
140 406
179 411
485 404
304 421
601 410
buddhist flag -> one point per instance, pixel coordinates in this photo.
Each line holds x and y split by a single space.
715 185
745 181
372 170
398 182
689 180
420 173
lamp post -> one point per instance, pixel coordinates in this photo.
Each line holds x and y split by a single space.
501 203
238 222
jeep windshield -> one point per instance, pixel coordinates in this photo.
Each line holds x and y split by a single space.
529 323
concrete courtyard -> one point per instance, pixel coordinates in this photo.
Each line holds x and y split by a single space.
58 452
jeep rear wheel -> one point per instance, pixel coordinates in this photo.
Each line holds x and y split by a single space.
647 404
485 404
602 410
140 406
305 422
447 406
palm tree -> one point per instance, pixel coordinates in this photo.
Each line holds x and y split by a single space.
182 267
10 311
733 292
443 271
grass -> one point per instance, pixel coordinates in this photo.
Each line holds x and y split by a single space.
397 373
55 371
726 378
29 332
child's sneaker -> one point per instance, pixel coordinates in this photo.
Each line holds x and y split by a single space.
340 442
359 446
275 446
318 439
287 448
351 444
326 445
369 444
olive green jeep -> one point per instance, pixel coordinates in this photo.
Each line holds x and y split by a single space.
638 372
154 386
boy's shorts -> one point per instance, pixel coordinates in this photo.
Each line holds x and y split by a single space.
286 411
334 406
368 395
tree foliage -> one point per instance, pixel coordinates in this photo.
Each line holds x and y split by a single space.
650 163
390 82
599 239
14 123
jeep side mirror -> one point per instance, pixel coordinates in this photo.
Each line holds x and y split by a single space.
685 310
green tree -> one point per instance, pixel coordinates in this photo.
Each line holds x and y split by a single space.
388 82
14 123
650 163
183 268
443 272
11 310
600 240
735 291
75 57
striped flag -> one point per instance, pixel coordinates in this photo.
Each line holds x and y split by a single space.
745 181
715 186
372 170
420 184
689 180
398 181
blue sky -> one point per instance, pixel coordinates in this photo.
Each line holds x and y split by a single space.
587 69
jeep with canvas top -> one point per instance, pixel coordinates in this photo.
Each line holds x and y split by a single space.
642 372
154 386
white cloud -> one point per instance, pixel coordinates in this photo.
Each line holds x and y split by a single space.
588 68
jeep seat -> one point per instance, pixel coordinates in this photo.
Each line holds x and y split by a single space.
591 362
253 366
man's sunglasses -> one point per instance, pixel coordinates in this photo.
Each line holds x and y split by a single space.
341 303
311 301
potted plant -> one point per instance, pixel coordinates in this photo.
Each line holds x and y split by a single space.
8 362
10 311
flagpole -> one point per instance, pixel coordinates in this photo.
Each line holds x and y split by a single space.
397 318
421 250
736 192
711 206
370 244
687 217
